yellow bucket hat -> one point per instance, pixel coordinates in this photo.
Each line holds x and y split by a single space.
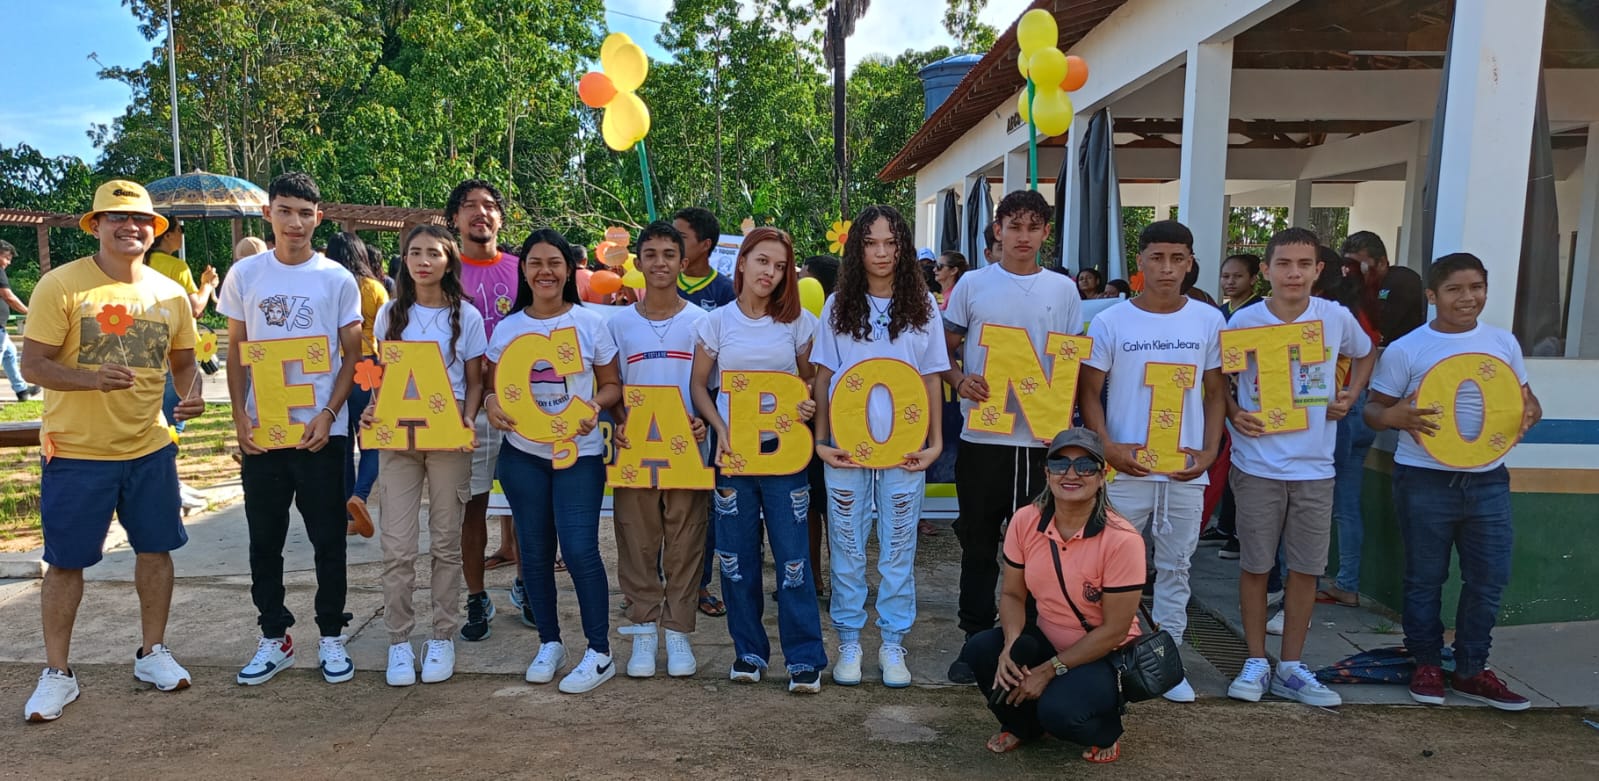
121 195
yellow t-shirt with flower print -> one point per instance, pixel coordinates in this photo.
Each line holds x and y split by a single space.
95 319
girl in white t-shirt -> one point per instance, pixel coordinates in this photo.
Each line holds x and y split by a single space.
550 503
429 306
763 330
882 310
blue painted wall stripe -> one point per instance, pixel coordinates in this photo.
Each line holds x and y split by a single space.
1558 431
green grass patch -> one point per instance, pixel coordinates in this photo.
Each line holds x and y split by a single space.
17 412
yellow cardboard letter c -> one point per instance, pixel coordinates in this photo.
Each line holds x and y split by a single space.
561 352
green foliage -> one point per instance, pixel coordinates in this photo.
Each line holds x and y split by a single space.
960 20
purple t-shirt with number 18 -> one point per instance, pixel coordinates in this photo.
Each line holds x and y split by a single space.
491 284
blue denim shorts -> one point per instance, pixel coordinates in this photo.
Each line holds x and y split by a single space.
78 496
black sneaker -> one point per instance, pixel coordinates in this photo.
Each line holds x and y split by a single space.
1228 551
526 605
961 673
805 682
28 392
745 672
1214 534
479 612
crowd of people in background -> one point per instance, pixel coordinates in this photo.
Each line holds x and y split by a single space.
1061 531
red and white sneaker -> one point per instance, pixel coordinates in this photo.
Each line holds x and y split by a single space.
272 656
1486 687
1427 684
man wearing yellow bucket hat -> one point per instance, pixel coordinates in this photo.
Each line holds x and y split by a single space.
101 334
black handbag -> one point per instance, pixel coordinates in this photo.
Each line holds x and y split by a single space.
1148 666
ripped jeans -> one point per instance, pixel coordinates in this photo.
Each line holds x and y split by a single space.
739 504
854 498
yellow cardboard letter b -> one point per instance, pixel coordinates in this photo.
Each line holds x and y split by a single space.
661 451
561 354
748 395
416 394
269 361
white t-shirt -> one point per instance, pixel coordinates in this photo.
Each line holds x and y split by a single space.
922 348
657 352
1407 359
277 301
1126 340
551 392
432 324
1039 303
738 343
1308 454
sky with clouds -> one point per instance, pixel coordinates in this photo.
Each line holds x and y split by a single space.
50 94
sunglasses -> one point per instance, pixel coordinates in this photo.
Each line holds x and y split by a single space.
1087 466
117 218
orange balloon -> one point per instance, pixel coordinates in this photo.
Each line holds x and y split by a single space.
617 235
604 282
1076 73
600 249
596 89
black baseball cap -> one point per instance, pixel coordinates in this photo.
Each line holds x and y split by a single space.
1077 437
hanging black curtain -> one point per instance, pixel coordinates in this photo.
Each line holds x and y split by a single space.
1094 195
949 233
979 213
1538 305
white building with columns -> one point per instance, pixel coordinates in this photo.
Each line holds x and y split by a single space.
1221 103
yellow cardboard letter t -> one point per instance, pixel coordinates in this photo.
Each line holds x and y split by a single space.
1275 347
661 451
416 394
268 361
559 352
748 394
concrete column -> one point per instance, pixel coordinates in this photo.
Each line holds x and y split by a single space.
1013 174
1496 49
1071 256
1409 251
1299 205
1207 93
929 235
1582 322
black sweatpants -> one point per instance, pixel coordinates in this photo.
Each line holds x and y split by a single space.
991 482
314 482
1083 706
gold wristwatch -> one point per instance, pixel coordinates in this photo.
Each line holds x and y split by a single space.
1060 668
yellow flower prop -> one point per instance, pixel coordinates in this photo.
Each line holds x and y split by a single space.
836 236
623 67
206 348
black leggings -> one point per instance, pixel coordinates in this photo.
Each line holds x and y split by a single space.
1083 706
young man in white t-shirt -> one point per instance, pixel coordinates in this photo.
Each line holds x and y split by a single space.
996 473
294 292
1283 482
660 534
1441 507
1159 348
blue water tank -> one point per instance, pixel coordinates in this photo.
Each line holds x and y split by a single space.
939 79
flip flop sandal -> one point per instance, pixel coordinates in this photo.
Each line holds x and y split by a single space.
497 561
1003 742
1092 754
711 606
927 529
560 566
1326 598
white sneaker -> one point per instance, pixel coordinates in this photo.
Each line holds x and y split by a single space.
1301 684
191 499
1182 692
1251 683
550 658
744 672
891 659
1274 627
55 691
402 665
439 662
847 670
272 656
646 641
594 669
158 667
680 661
334 661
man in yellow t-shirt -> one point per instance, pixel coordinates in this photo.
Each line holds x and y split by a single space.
101 334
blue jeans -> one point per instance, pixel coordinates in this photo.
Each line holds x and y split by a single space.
1469 513
169 404
1349 460
8 360
359 473
784 500
551 505
854 497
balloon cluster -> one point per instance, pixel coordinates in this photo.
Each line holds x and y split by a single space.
1051 74
623 66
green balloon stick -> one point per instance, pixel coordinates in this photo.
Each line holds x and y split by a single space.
649 187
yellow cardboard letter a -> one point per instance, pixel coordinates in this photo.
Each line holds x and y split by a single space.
659 434
432 408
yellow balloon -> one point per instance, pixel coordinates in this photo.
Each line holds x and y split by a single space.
1021 106
1021 63
812 296
1036 31
1052 112
611 132
1047 68
632 117
611 42
633 279
627 66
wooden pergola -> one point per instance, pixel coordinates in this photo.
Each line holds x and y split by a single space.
349 216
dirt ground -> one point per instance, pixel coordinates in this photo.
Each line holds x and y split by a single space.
498 726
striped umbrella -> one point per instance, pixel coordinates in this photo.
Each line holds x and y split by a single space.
200 195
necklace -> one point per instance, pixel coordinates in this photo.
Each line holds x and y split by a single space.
432 322
1026 289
